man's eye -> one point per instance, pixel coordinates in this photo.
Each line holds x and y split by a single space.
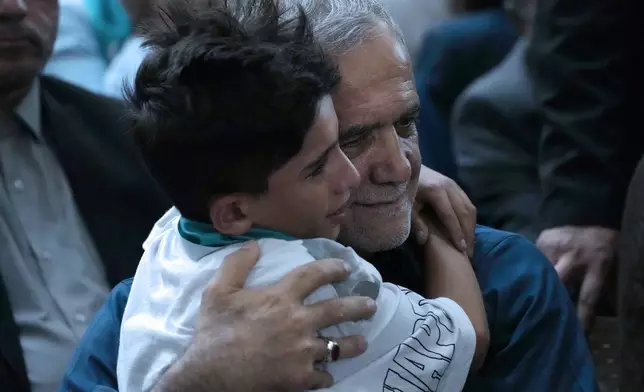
407 126
354 147
350 143
407 122
317 171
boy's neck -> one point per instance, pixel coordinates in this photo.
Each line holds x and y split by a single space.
205 234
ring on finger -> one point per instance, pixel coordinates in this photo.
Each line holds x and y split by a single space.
332 350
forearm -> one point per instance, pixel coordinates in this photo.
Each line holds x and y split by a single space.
450 275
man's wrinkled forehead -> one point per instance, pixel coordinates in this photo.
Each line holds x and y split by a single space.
385 57
377 83
384 105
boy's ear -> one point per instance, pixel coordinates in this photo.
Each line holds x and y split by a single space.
229 214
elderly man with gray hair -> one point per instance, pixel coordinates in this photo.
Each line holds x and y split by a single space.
266 339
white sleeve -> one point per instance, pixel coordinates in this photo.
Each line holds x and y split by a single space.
157 327
160 317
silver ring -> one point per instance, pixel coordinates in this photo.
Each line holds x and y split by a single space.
332 350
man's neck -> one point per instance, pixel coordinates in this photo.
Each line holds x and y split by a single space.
11 98
29 108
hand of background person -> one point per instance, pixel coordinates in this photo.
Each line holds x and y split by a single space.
451 206
265 339
585 253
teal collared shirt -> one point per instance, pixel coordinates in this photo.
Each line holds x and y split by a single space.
205 234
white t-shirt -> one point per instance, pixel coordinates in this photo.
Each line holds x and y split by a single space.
415 344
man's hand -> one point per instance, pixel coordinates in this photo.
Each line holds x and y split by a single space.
265 339
585 253
450 204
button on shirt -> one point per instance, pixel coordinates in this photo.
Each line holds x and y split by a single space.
53 274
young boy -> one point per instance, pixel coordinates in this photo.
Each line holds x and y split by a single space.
233 114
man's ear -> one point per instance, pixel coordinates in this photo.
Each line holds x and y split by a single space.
229 214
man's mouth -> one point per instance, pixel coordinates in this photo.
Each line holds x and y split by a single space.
22 37
381 203
12 34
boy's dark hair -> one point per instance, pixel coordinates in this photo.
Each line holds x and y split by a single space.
225 97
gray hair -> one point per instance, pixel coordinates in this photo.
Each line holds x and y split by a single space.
342 25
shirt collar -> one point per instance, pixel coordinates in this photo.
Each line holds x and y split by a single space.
204 234
29 110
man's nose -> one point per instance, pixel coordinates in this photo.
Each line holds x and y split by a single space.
391 164
350 178
13 10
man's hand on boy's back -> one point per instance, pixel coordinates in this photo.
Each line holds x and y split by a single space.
265 339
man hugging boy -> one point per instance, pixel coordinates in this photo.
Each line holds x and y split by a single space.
233 114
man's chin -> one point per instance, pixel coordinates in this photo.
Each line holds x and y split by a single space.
14 87
379 237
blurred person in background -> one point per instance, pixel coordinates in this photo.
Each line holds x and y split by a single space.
584 82
416 17
92 34
495 128
586 77
126 62
75 203
631 286
452 55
